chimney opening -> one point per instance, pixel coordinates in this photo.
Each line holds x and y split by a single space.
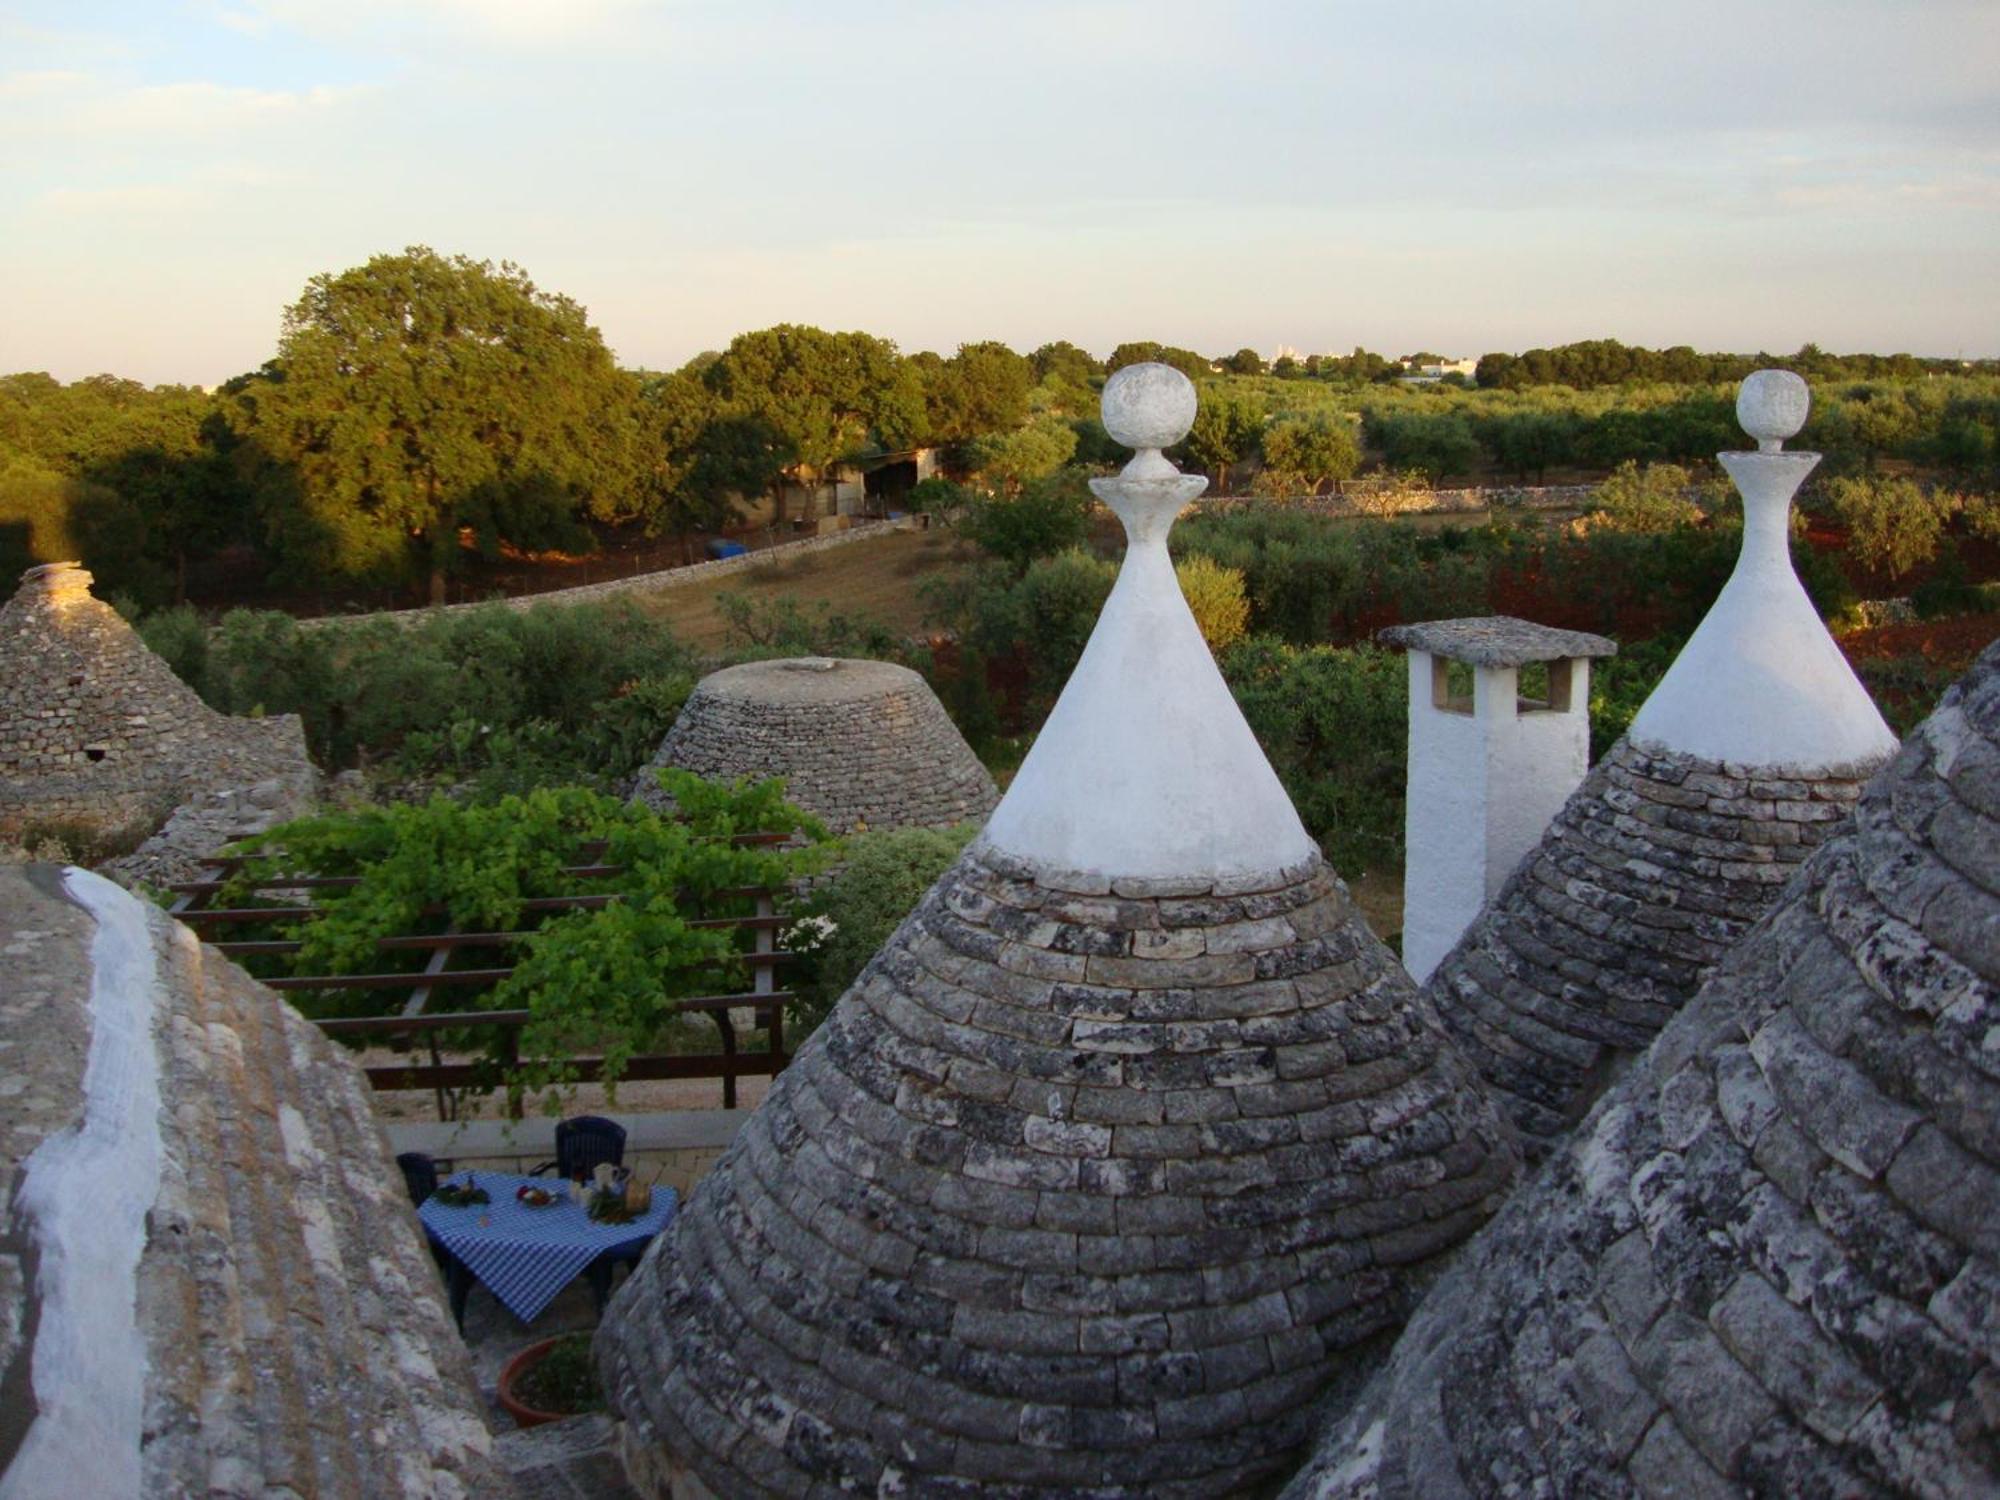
1451 685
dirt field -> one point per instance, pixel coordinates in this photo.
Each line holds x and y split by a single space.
874 580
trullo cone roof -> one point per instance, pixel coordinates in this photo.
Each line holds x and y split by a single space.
96 730
860 744
1769 1262
1129 1141
1750 750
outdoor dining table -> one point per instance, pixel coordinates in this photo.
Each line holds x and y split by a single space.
524 1255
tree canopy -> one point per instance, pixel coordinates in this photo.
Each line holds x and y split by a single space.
829 396
421 394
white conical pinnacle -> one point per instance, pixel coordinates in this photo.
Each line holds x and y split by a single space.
1761 683
1146 768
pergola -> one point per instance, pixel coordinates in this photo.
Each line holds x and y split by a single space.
450 970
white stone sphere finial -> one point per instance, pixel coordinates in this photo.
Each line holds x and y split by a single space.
1148 406
1772 405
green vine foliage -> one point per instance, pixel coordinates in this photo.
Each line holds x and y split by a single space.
602 982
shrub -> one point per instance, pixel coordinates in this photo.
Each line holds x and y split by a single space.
1620 685
1334 722
880 879
1309 578
1048 516
1646 500
1892 524
760 629
940 499
1982 515
1394 495
1215 596
580 692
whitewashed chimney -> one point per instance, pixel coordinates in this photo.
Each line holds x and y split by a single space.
1492 760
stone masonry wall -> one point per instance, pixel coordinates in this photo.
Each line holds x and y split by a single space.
1769 1262
861 744
1653 870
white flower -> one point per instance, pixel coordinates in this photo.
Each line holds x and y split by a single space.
810 934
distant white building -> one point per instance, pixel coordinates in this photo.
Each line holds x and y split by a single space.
1429 372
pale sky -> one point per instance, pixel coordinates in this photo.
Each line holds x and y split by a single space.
1426 174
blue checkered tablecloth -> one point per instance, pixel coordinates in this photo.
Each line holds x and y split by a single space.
524 1255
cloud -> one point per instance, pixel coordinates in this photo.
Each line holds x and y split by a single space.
208 108
83 107
506 23
42 84
202 191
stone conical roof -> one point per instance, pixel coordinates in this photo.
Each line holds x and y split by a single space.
1130 1139
1743 759
859 743
211 1281
1769 1262
96 730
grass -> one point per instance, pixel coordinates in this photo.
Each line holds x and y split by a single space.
877 579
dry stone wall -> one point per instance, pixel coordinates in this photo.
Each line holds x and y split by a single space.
860 744
1087 1187
96 731
1769 1262
1652 871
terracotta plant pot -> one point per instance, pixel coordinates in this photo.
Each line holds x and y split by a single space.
510 1376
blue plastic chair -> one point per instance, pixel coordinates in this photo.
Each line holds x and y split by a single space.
583 1144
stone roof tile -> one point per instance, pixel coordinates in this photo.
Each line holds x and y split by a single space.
1496 641
288 1325
1765 1262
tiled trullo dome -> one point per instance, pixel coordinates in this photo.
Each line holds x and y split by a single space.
1769 1263
859 743
1129 1141
96 730
1746 755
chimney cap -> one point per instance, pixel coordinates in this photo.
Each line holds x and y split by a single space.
1496 641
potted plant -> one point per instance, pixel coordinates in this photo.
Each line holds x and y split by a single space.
550 1380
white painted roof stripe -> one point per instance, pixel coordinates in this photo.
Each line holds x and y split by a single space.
86 1192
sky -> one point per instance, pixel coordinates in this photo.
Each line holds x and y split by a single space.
1427 174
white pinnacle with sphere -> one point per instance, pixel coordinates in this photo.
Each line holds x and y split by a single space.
1761 683
1146 767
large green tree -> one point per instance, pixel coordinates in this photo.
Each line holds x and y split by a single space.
421 395
1228 426
1302 453
981 390
822 397
1143 351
